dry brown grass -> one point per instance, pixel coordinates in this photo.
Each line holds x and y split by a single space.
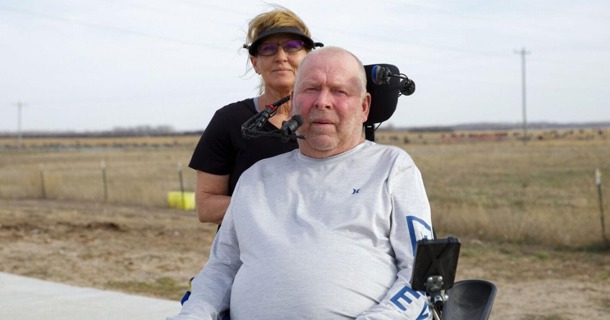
515 208
135 173
536 193
480 185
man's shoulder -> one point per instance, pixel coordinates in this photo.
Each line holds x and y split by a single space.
386 151
278 159
377 147
272 164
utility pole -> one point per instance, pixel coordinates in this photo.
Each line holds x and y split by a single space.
19 106
523 52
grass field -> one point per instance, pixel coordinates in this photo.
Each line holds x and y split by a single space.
527 216
488 186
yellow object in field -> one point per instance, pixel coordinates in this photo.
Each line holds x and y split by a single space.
181 200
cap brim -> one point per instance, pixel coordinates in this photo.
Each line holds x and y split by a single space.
271 31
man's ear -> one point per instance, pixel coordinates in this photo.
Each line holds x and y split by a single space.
366 106
292 102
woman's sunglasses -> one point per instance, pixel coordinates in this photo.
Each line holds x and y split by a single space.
269 49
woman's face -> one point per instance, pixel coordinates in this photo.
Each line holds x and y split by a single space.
278 70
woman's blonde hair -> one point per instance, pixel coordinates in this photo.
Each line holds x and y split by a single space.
278 17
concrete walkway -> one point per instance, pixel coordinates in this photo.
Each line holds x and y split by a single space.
23 298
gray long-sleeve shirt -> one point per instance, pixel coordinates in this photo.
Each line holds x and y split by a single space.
309 238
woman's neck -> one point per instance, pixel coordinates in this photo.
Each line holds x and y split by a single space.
272 97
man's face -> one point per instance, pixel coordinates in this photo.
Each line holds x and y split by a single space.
328 95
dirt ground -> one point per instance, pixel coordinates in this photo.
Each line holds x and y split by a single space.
154 251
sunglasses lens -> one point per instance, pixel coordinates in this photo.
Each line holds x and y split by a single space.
267 49
292 45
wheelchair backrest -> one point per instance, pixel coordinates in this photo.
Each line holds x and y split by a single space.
384 97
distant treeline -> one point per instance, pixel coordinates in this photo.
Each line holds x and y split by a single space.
165 130
138 131
485 126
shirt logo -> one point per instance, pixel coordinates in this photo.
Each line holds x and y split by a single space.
354 191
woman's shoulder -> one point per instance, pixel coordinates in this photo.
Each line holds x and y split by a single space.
245 107
232 115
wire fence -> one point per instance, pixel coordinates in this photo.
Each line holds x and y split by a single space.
126 184
496 190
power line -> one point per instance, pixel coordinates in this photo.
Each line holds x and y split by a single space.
108 28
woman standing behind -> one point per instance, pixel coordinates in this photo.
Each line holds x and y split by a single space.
279 40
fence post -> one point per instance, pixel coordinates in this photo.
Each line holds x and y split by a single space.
598 182
181 185
43 189
104 182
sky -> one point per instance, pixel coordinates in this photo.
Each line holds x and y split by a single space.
96 65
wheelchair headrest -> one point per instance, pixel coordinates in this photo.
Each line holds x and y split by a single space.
384 96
